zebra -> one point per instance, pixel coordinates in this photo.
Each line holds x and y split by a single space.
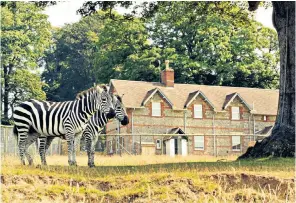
94 128
96 125
42 119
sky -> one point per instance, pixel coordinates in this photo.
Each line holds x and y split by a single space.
65 12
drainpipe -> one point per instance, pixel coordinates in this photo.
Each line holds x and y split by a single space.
250 137
254 128
214 133
133 137
185 120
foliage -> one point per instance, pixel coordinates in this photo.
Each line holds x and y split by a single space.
25 35
124 52
26 85
70 61
216 50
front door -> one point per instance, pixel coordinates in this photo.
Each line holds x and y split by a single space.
184 147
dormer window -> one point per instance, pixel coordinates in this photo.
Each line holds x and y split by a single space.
197 111
235 115
156 109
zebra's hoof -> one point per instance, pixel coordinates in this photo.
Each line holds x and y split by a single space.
31 162
72 163
91 165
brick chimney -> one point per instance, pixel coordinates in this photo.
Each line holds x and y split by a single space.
167 75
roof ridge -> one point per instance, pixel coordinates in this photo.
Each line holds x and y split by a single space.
219 86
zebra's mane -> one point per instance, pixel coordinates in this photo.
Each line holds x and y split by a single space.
84 93
93 89
119 98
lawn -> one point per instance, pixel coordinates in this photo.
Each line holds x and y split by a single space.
150 179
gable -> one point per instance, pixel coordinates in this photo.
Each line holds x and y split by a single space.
234 98
197 95
156 95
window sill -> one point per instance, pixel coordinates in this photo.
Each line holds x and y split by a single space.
199 149
236 150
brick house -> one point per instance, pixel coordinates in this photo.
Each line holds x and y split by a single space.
207 120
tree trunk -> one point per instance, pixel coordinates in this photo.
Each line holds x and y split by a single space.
7 70
5 94
281 143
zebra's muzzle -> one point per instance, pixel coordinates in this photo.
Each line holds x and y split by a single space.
125 121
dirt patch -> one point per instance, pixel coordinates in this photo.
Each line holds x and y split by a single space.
274 185
149 188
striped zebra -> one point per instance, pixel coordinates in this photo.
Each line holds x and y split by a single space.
42 119
96 125
94 128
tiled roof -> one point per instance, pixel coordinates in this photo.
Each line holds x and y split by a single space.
265 101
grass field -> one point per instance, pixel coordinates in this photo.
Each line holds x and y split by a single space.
149 179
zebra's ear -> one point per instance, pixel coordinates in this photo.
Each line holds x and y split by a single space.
99 89
105 88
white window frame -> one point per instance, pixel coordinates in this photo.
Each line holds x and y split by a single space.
197 110
199 140
156 109
235 143
158 145
235 114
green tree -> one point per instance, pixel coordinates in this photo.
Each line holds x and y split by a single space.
212 48
25 34
124 52
70 61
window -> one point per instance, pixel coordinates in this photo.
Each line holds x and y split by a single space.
197 111
158 144
156 109
236 143
235 113
265 118
199 142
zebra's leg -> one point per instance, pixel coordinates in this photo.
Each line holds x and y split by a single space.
44 145
93 149
88 144
22 136
31 139
70 141
42 149
76 140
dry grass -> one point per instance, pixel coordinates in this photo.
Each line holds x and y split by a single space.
149 179
124 160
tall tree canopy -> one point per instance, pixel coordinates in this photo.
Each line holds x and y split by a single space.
70 61
213 48
25 34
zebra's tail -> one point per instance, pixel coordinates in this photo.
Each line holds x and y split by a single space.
15 133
